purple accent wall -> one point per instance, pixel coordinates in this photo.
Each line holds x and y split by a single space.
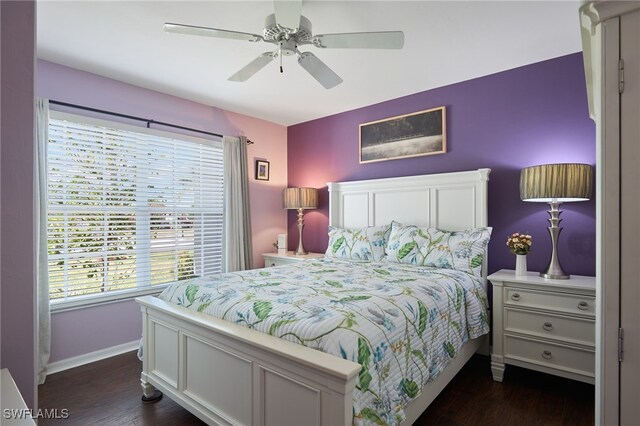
17 291
506 121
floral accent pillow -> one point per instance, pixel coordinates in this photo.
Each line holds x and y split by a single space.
460 250
358 244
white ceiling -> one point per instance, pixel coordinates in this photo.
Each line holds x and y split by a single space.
445 42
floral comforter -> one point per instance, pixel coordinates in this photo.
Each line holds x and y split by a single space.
402 323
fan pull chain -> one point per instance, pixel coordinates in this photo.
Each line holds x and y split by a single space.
281 71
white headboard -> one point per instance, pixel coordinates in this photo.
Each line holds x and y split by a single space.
448 201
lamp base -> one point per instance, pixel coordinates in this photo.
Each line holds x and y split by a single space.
300 251
554 270
554 276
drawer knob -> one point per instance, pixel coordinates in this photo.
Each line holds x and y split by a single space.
515 296
546 355
583 306
547 326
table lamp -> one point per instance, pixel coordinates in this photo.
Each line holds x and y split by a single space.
300 199
555 184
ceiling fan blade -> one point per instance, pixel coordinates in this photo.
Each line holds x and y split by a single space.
319 70
288 13
373 40
209 32
253 67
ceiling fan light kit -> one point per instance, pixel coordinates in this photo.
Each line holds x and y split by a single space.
288 29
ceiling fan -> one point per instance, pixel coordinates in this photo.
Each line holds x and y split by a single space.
288 29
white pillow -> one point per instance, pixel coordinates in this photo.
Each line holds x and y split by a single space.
460 250
358 244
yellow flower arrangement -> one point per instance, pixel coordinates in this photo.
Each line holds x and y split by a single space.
519 243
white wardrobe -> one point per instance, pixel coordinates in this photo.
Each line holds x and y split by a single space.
611 44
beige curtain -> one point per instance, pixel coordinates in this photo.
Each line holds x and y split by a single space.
236 233
42 268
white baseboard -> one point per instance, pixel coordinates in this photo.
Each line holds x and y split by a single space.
77 361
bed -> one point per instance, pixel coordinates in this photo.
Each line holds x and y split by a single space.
227 373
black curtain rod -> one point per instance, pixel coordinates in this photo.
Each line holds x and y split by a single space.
133 117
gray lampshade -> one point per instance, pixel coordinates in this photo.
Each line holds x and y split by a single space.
556 182
300 198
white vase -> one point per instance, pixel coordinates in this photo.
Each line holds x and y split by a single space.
521 265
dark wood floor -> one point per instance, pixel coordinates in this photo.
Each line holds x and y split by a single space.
525 398
108 393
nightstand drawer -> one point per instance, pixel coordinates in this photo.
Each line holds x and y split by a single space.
549 326
569 303
279 259
269 262
549 355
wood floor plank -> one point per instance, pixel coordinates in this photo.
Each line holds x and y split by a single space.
107 393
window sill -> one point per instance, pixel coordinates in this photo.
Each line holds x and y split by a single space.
90 301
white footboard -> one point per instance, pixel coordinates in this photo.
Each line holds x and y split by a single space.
228 374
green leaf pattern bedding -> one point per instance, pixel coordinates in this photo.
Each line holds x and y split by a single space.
402 323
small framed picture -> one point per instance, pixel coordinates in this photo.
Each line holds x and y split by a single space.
262 170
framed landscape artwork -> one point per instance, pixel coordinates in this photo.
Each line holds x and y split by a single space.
262 170
409 135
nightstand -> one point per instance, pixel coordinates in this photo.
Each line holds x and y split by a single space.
275 259
544 324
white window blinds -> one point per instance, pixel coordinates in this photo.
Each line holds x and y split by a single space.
130 209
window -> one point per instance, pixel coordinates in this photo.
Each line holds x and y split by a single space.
129 208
